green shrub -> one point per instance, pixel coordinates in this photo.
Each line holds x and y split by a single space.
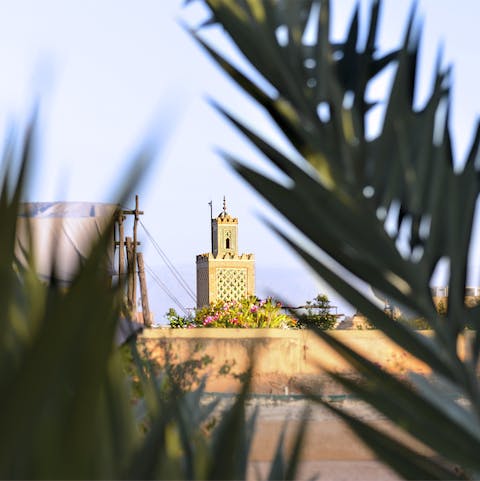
417 323
177 321
441 307
318 314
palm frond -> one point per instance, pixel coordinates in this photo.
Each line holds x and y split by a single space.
384 210
66 407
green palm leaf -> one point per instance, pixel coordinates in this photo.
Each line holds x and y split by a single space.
402 181
66 408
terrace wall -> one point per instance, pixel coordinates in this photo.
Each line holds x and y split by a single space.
283 358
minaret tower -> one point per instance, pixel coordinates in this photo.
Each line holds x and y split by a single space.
224 233
223 274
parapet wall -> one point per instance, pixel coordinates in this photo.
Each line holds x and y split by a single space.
282 357
209 257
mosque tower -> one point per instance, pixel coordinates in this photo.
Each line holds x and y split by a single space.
223 274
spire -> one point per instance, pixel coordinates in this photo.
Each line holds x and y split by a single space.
224 214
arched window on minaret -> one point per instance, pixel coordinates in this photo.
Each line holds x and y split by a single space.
228 240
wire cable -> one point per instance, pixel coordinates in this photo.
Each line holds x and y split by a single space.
165 289
183 283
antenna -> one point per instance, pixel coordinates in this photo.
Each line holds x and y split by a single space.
211 226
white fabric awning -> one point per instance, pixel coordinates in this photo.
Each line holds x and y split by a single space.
63 233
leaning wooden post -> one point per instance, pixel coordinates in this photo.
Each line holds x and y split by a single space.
135 242
130 274
147 318
121 248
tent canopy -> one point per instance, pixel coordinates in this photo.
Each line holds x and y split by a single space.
63 234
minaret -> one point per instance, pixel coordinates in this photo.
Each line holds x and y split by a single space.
224 234
223 273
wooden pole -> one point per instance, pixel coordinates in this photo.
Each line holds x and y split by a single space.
147 318
132 246
130 274
135 225
121 248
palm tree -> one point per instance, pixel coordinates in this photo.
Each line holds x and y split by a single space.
348 188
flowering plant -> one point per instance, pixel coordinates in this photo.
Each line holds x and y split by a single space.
246 312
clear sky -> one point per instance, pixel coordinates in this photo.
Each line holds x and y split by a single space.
113 74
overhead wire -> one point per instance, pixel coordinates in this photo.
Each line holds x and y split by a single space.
183 283
162 285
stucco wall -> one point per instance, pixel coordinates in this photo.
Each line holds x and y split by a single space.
282 357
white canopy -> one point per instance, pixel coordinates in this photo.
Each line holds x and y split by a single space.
63 233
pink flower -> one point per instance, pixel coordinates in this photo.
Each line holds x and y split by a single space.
254 308
208 320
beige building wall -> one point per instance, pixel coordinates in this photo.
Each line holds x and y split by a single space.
231 277
281 352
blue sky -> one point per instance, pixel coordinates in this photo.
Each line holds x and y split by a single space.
113 75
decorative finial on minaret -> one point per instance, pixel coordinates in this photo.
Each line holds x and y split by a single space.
224 206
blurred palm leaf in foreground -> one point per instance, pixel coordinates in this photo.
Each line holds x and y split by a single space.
386 210
66 408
